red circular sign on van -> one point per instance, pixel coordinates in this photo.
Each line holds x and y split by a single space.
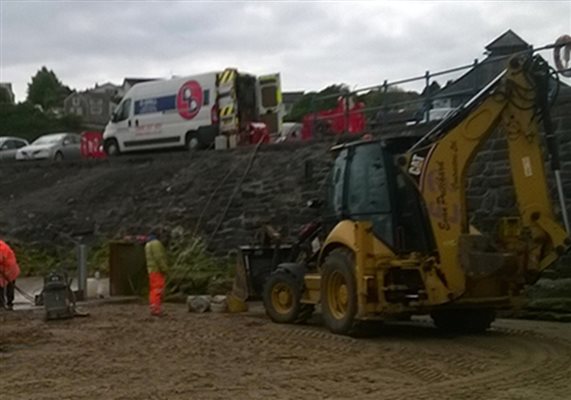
189 99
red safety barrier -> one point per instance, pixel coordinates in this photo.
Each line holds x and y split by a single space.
92 145
259 133
335 121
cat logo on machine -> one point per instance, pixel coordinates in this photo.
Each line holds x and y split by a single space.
416 164
189 99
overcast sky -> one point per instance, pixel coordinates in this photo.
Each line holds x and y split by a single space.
312 44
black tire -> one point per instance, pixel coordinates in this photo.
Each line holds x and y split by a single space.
192 143
58 156
291 311
463 321
339 311
111 147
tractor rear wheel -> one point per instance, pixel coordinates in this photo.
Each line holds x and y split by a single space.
339 292
282 299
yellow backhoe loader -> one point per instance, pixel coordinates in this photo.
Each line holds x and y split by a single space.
402 244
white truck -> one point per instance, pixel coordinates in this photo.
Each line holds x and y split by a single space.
192 111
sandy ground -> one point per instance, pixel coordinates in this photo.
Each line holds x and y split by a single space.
119 352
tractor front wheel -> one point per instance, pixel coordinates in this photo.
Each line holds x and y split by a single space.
282 299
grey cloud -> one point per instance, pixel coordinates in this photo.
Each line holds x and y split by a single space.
311 43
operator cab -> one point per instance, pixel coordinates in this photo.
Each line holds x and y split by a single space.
365 184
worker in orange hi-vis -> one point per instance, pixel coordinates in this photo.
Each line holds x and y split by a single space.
157 266
9 271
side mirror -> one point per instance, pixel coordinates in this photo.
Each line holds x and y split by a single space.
4 147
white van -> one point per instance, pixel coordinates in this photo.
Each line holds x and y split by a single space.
191 111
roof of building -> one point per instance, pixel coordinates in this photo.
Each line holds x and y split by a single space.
482 73
508 41
134 81
105 86
91 94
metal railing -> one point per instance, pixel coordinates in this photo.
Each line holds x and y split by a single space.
415 110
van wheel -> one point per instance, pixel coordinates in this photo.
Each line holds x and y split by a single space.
192 142
58 156
111 147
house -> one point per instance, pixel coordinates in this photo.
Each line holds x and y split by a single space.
94 106
128 83
289 99
7 86
497 54
107 87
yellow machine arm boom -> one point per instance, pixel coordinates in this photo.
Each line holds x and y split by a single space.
515 103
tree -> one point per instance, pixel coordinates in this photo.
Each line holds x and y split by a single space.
316 101
28 121
393 98
47 90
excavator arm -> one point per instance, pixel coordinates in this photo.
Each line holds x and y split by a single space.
514 104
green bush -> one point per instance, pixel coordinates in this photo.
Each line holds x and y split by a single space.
38 260
27 121
193 270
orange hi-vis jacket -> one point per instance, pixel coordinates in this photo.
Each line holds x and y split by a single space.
9 269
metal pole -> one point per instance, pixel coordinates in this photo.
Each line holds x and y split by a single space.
346 114
385 111
313 116
474 77
561 195
427 82
82 270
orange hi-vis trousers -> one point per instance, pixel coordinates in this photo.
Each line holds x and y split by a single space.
156 289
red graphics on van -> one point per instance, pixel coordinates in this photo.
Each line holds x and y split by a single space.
189 99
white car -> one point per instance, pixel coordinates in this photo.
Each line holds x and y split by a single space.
290 131
9 146
436 114
55 146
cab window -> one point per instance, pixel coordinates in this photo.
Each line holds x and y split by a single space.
18 144
9 145
367 182
367 190
123 111
336 181
269 96
71 139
